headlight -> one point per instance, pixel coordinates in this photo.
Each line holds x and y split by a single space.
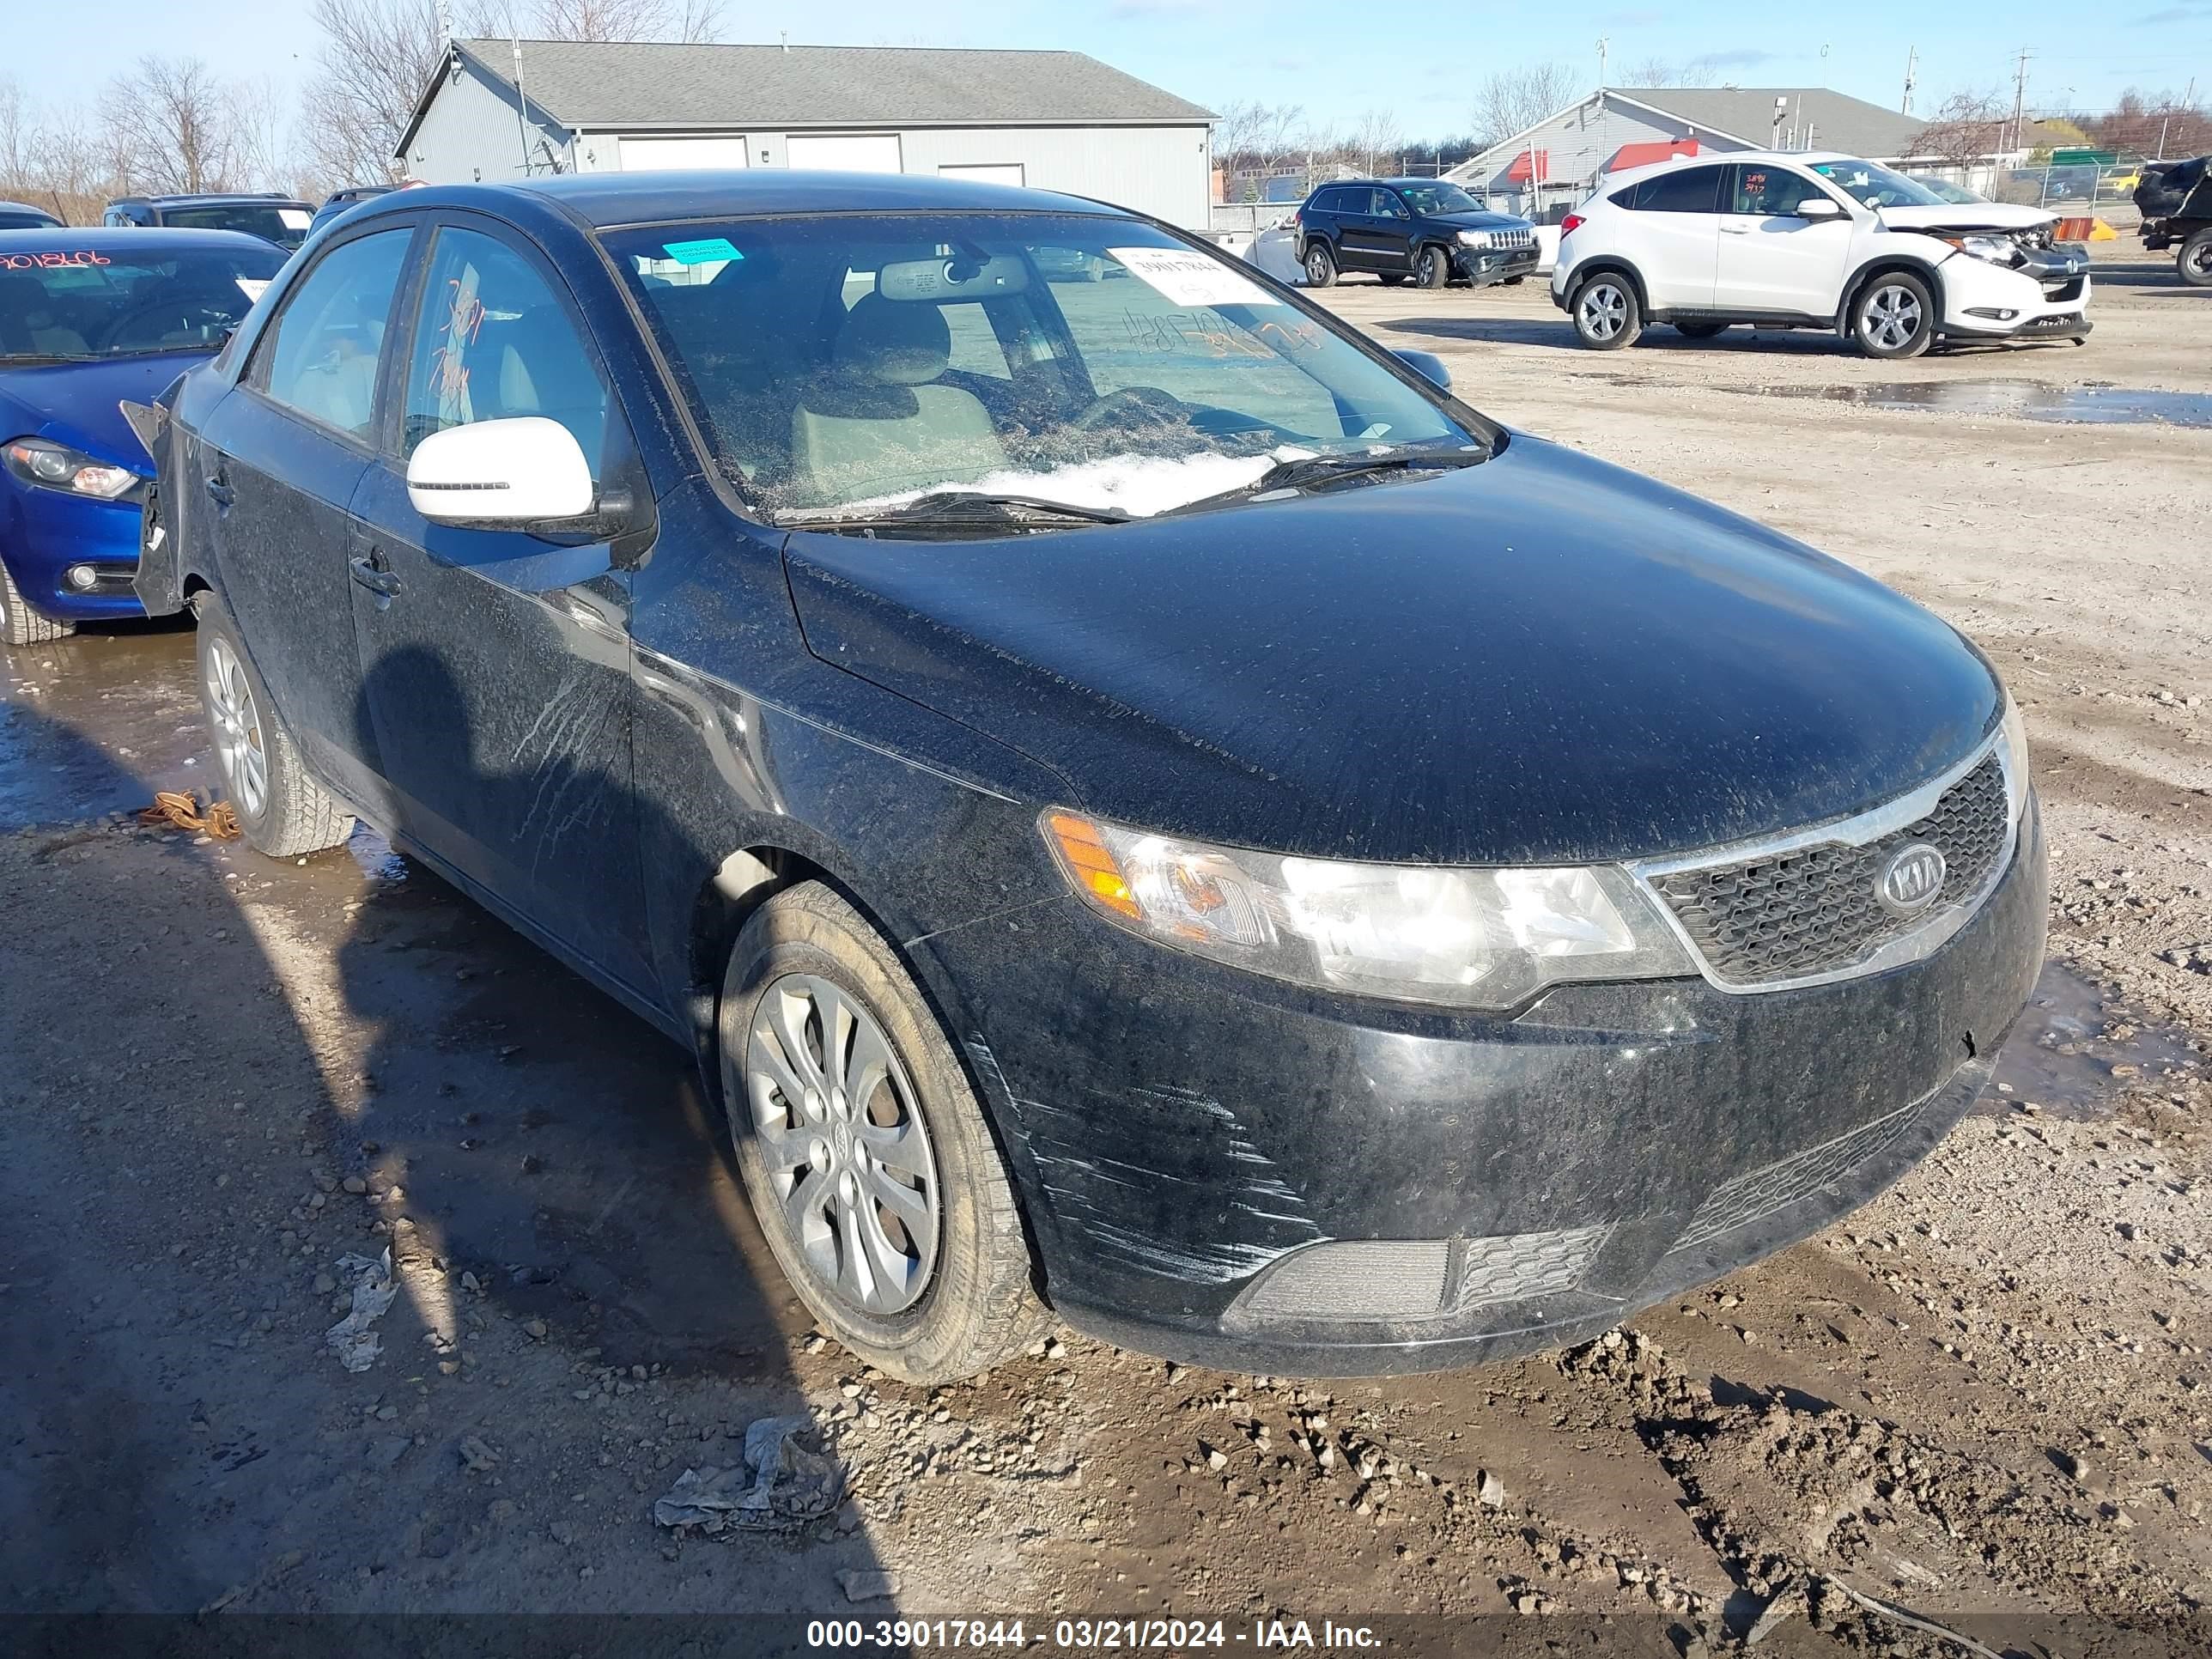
1467 938
2012 743
1475 238
56 466
1997 250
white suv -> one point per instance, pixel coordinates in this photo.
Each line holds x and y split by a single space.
1811 240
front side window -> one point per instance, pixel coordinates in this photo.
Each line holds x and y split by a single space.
1771 192
1439 197
845 360
492 341
1871 185
1387 206
60 300
322 356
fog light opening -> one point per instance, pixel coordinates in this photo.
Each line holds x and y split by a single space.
81 577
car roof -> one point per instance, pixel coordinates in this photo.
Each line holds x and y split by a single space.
28 207
216 196
605 199
115 239
1797 158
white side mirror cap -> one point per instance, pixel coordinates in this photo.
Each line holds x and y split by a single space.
1819 207
522 469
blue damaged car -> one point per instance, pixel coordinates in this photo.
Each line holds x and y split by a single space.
88 319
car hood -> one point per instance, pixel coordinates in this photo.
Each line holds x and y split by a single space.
1542 658
1967 216
80 403
1478 221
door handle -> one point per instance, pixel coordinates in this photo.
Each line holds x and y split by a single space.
372 575
219 491
1735 230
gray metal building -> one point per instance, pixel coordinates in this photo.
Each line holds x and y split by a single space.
1052 120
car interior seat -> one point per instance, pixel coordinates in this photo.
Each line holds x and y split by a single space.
875 423
28 322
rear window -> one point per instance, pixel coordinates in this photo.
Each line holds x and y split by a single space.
282 223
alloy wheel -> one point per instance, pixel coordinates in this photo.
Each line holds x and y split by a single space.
2200 259
1604 311
845 1145
1892 317
238 740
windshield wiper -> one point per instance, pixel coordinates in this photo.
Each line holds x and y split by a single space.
1306 471
963 509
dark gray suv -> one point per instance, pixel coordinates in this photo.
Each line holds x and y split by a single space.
1428 229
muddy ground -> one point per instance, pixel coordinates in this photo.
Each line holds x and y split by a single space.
1985 1399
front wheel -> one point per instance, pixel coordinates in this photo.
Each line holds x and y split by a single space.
282 811
863 1150
1606 315
19 624
1433 268
1895 316
2194 262
1320 266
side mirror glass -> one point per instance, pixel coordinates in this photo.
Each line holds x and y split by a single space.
524 471
1429 366
1819 207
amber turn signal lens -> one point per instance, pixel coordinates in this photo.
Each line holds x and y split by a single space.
1091 864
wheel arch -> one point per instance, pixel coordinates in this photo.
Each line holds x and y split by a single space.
1882 265
1598 264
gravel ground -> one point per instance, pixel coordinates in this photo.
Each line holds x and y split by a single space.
1983 1399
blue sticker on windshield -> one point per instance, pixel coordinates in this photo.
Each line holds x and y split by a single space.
704 251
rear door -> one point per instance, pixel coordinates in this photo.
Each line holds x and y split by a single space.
1675 235
279 459
1771 258
496 664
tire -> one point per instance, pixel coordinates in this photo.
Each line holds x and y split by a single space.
1391 279
955 1304
1432 268
1511 282
1893 316
283 811
1699 330
1320 265
1606 312
19 624
2194 262
1094 271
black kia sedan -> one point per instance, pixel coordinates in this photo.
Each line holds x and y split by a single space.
1429 229
1149 810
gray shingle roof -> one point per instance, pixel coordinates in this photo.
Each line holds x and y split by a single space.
1838 121
642 85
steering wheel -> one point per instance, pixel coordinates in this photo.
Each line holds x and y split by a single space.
192 314
1133 405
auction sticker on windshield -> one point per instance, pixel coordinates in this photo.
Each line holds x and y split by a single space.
294 218
1190 279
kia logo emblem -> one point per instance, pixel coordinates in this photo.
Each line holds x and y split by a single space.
1908 883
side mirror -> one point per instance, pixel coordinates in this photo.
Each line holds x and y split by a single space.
1429 366
525 470
1819 207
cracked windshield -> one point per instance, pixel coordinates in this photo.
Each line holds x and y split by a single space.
849 369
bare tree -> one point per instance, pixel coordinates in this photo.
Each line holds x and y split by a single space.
1966 126
167 124
378 58
687 21
1512 100
1651 72
1373 144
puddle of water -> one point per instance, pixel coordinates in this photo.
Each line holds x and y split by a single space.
2019 399
117 700
2075 1050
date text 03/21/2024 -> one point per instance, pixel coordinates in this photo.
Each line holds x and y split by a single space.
1088 1635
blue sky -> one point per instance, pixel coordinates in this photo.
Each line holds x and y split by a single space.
1419 58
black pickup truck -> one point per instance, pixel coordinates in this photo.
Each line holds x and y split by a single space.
2176 200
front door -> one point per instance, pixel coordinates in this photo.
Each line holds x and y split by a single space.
1367 237
1772 258
280 459
497 665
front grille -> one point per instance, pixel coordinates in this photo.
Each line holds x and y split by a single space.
1815 910
1512 239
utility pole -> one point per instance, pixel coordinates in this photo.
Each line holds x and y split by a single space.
1912 57
2019 95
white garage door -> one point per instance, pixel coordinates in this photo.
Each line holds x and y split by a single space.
638 154
985 172
845 152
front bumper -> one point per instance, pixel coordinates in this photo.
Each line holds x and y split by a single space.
1484 267
43 533
1985 301
1189 1139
